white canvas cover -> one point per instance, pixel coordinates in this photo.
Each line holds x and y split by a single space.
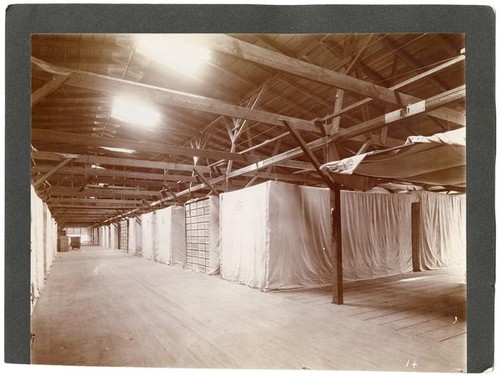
443 234
102 237
113 237
43 244
433 160
138 237
214 235
148 235
171 235
376 234
107 237
276 236
131 236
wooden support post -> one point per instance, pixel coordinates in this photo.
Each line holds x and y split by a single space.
338 285
337 277
415 236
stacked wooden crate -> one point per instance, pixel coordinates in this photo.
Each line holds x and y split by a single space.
202 235
63 243
123 235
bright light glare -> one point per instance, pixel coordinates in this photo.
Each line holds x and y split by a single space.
135 112
171 51
118 150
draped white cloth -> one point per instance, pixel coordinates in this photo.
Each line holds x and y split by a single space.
138 238
148 235
43 244
443 235
113 236
131 238
377 229
276 236
376 234
214 235
171 236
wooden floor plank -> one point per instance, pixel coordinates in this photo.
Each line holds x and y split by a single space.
101 307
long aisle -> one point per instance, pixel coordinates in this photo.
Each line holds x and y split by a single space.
102 307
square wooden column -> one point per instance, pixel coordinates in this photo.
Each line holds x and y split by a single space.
416 244
338 275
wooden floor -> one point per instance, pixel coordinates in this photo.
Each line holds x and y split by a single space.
102 307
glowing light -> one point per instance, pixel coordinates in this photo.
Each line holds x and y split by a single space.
173 52
133 111
118 150
96 166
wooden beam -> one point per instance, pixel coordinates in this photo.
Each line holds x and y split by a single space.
146 147
454 116
247 51
161 95
68 206
109 193
108 180
206 182
82 171
252 180
364 147
66 200
425 106
43 155
52 170
250 52
409 60
48 88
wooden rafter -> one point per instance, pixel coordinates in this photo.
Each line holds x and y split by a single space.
51 170
247 51
111 85
41 155
48 88
79 171
151 147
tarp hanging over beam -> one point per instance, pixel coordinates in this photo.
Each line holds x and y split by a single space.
434 160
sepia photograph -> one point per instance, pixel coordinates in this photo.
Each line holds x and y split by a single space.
249 200
259 188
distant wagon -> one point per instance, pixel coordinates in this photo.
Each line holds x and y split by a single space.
75 242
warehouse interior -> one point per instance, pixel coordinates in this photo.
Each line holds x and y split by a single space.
257 201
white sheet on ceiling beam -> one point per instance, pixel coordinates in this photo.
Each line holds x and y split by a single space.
433 160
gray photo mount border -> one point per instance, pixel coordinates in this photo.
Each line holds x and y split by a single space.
477 22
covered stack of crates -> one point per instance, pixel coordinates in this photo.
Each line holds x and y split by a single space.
203 235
